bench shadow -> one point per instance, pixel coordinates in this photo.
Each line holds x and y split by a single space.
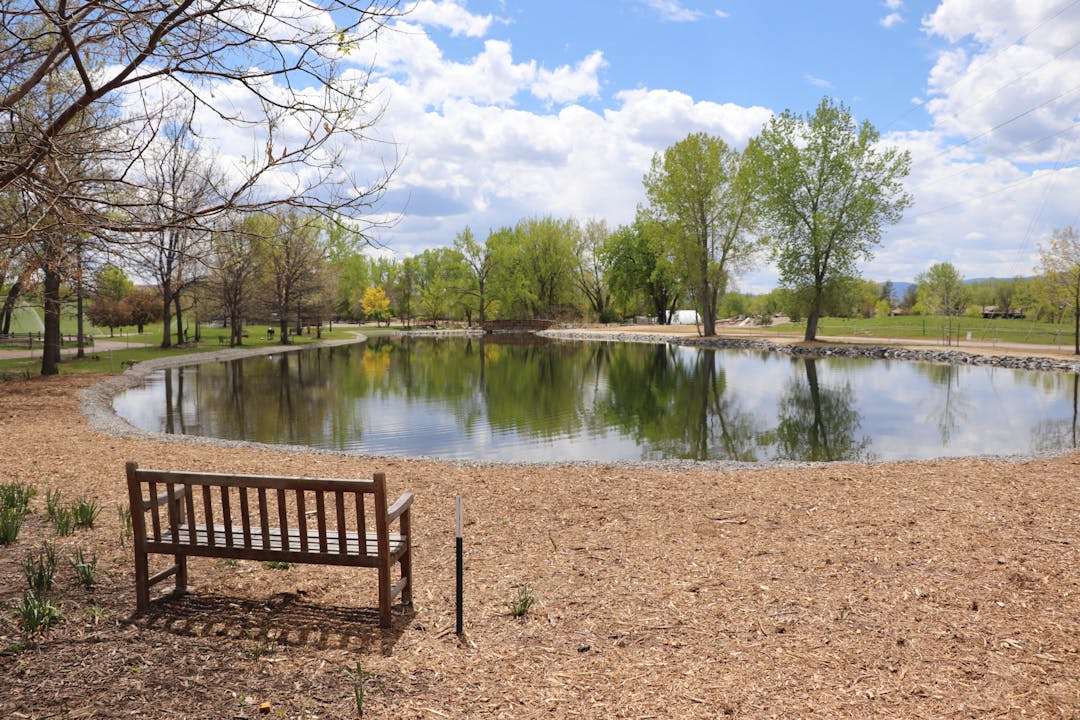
285 619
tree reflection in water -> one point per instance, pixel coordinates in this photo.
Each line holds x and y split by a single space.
819 423
527 399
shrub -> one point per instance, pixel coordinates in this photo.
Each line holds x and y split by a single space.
52 502
522 602
63 521
16 496
124 513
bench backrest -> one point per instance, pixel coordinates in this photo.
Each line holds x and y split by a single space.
311 514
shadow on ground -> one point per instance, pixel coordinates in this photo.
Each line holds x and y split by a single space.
285 619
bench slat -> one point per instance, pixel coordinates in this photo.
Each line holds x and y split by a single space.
283 517
275 544
271 482
189 500
173 507
245 517
208 511
263 517
301 520
155 520
320 513
226 516
361 520
339 503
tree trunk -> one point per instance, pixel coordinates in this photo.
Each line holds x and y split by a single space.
179 320
50 357
79 315
9 307
811 326
1076 318
483 302
166 315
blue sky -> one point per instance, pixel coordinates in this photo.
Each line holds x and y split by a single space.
500 110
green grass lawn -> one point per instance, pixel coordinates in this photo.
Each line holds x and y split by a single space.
147 347
934 328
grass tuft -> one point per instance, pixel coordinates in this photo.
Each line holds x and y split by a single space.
522 601
10 523
40 571
84 568
85 511
36 613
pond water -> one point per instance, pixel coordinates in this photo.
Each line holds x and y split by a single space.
536 400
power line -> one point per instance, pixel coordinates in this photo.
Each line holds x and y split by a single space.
998 52
1000 125
1001 189
970 166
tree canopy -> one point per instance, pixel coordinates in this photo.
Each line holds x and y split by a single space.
827 191
704 191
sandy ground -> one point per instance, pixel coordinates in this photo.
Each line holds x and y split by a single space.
940 589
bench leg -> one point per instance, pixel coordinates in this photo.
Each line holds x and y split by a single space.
406 572
385 619
181 573
142 581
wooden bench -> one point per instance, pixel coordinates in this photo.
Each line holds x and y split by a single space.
317 521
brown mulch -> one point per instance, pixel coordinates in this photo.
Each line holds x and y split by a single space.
941 589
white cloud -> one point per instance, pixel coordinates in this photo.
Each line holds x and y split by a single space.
450 14
474 154
565 84
1012 92
817 81
673 11
891 19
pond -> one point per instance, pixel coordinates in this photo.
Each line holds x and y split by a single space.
514 399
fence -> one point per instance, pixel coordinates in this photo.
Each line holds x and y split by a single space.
29 340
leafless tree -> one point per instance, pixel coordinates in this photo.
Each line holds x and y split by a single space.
281 62
294 258
234 265
179 180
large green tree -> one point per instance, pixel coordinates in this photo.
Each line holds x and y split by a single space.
592 268
478 259
534 267
641 268
706 190
942 292
827 191
1060 260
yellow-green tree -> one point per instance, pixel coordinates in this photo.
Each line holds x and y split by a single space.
375 304
1060 260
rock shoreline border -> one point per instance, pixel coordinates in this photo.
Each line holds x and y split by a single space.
873 352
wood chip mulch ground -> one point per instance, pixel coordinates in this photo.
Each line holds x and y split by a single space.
942 589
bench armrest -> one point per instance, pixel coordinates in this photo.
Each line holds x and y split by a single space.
400 506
